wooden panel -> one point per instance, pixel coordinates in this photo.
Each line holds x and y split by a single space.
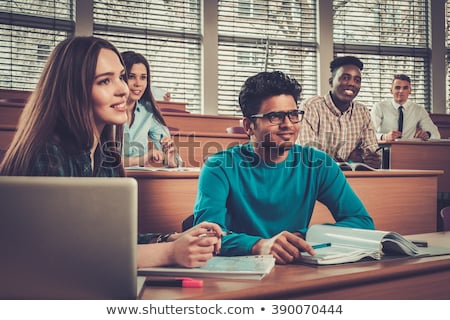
165 199
10 112
443 123
18 96
6 137
192 146
9 116
200 122
423 155
195 146
401 201
406 205
171 105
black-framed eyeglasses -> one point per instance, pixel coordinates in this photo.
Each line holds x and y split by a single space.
295 116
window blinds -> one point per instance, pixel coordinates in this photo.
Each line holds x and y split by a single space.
29 31
260 35
389 37
253 35
166 32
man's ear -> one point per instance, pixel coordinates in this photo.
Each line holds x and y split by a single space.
248 126
330 81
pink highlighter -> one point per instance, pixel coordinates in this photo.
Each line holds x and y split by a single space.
177 282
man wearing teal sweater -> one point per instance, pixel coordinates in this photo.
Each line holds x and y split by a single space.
264 192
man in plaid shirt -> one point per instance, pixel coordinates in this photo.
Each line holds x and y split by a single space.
337 124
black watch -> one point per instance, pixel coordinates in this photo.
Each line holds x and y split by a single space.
145 238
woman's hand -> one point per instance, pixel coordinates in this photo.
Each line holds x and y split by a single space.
194 247
169 152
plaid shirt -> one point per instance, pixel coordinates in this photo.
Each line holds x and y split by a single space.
55 161
325 127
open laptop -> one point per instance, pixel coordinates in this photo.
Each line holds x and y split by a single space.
68 238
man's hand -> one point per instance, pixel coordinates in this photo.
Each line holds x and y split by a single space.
356 155
372 159
424 135
366 156
285 247
392 135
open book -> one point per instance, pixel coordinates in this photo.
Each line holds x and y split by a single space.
350 245
355 166
240 267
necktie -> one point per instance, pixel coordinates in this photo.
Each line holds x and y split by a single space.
400 118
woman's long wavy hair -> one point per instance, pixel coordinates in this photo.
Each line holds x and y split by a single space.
61 107
131 58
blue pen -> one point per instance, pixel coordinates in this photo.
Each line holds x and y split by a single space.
321 245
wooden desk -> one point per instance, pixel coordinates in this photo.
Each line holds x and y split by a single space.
10 115
398 200
408 278
10 111
193 147
12 103
11 96
6 136
171 105
195 135
443 123
422 155
200 122
164 199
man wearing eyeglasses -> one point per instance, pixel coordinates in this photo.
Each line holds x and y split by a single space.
337 124
263 193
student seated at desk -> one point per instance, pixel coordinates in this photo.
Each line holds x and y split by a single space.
145 121
338 124
72 126
265 191
400 117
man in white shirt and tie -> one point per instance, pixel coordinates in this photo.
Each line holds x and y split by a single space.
387 115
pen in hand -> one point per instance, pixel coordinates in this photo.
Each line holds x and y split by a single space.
165 151
212 233
161 142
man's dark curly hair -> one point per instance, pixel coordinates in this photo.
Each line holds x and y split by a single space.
264 85
342 61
